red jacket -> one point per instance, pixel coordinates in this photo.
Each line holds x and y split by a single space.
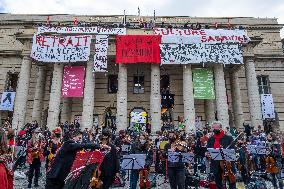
6 175
35 151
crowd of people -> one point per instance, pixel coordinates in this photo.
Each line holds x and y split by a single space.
259 156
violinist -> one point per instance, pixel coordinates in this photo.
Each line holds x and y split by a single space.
64 159
110 165
122 139
35 156
176 170
141 146
220 140
52 146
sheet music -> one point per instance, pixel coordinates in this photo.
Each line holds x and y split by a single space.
133 161
180 157
230 154
125 148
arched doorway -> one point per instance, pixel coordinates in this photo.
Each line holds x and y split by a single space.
138 119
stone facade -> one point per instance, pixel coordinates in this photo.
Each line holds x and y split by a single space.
264 57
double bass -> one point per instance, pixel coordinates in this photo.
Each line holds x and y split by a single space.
144 179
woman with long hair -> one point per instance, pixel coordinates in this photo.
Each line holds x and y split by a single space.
6 173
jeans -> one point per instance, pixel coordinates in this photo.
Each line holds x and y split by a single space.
176 177
134 176
34 171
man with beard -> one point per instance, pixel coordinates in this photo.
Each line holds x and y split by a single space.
141 146
64 159
110 164
220 140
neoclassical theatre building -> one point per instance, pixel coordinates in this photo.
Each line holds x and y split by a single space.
235 82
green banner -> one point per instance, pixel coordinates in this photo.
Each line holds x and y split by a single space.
203 83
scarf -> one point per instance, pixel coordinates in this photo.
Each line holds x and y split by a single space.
217 139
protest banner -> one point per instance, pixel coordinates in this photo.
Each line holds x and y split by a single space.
61 48
73 81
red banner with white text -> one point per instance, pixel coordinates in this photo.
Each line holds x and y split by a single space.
73 81
138 49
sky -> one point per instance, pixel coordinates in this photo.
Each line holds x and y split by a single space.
198 8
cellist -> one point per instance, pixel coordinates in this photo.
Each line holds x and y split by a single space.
220 140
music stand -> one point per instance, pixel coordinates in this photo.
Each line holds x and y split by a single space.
259 150
220 154
133 161
176 157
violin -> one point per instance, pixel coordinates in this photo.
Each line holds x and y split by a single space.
271 165
96 182
144 180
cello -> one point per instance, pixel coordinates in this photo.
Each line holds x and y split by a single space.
144 180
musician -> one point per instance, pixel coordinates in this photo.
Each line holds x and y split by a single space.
35 156
176 171
219 140
122 139
141 146
274 166
52 146
110 164
64 159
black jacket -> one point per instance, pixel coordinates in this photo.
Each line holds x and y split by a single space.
63 161
224 142
110 164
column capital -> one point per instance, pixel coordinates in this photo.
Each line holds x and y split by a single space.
27 46
249 48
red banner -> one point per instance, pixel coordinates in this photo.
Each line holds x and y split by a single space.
73 81
138 48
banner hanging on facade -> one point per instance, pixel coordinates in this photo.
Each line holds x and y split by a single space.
267 106
203 83
61 48
7 101
81 30
209 36
138 48
100 57
201 53
73 81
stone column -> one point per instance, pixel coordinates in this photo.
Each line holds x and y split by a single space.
39 94
209 106
122 115
155 99
253 93
20 104
221 96
89 97
66 110
55 97
188 100
237 100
